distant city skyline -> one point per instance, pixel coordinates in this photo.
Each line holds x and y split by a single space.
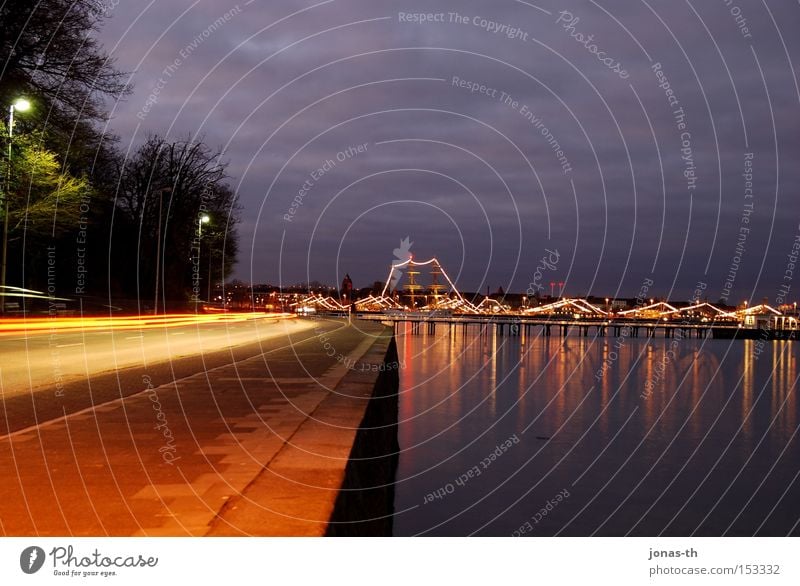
315 286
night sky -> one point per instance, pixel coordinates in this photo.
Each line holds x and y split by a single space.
574 144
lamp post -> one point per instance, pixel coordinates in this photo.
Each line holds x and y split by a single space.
20 105
210 260
203 219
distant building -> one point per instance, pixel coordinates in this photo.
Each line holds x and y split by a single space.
347 288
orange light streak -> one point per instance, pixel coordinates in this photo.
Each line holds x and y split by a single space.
38 324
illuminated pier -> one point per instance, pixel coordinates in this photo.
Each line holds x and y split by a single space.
440 302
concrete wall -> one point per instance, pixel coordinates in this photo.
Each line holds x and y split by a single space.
365 505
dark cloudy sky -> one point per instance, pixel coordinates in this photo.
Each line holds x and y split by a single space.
285 86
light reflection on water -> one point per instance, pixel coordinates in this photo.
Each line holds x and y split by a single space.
672 436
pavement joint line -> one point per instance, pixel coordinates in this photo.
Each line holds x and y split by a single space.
172 383
218 519
319 526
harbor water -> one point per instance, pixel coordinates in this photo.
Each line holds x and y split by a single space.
577 436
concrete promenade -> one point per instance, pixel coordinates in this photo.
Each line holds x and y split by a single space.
246 445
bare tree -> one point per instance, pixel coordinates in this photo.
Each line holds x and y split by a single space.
48 51
164 190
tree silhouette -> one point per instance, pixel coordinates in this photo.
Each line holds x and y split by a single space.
163 191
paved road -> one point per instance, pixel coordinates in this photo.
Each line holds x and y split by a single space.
52 358
24 405
249 440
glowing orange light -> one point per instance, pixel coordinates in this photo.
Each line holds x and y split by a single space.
126 322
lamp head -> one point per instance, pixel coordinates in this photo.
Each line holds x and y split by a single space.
22 105
205 219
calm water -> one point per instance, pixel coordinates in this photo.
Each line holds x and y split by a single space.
583 436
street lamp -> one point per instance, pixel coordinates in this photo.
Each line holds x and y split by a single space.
204 219
21 105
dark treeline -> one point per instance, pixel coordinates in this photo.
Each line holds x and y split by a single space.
84 221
